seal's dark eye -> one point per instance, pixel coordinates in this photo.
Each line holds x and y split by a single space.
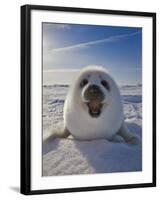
105 84
84 82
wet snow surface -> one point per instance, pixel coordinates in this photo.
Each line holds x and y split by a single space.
68 156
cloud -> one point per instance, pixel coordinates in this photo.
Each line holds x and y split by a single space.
95 42
62 26
56 26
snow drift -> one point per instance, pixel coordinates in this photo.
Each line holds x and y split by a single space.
69 156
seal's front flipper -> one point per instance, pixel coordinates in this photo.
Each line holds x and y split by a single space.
116 138
56 133
129 137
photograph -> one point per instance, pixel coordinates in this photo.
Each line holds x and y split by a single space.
88 107
92 99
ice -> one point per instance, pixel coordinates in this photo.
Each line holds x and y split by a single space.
67 156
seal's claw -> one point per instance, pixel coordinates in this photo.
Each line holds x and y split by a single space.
134 140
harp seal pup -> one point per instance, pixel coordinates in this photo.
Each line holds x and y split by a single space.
93 109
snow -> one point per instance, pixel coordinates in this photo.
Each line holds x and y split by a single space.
67 156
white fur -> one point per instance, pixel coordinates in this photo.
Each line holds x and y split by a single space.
76 118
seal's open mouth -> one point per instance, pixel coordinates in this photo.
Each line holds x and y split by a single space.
94 108
94 98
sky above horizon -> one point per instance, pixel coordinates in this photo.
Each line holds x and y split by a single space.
69 47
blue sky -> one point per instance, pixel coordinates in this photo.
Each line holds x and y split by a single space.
71 47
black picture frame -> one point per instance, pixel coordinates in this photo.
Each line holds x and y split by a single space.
25 182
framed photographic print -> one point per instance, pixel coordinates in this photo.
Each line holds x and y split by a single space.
88 99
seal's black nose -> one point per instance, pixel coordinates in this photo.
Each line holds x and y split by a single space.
94 92
94 88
